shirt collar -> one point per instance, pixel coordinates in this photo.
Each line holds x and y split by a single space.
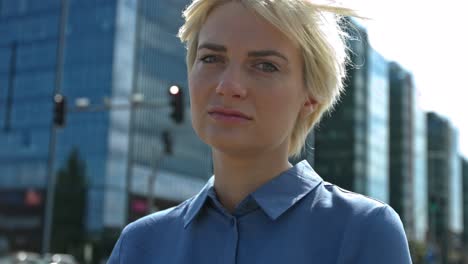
274 197
195 205
282 192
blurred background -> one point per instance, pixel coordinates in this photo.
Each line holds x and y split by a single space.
95 124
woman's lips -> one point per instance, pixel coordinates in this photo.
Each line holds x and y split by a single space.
224 114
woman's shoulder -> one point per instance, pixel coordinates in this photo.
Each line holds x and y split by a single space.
137 239
349 202
335 201
369 224
160 222
356 213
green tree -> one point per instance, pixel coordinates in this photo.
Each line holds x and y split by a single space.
68 231
418 251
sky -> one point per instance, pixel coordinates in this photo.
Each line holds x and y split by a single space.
430 39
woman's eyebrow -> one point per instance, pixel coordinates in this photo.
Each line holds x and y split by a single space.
212 46
256 53
265 53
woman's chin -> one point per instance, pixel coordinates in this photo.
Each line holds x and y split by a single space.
230 146
224 137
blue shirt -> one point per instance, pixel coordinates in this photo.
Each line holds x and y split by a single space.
294 218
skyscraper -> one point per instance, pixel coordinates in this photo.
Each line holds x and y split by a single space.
444 186
351 146
112 50
464 166
408 184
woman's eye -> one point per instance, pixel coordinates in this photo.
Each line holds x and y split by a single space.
209 59
267 67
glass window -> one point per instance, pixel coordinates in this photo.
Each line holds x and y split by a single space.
114 214
89 49
32 111
2 114
21 7
13 7
91 20
89 3
156 63
34 84
36 6
93 81
40 136
3 89
37 27
95 169
5 57
32 173
38 55
95 209
8 33
8 172
88 132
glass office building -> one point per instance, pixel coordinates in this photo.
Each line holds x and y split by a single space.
444 185
28 46
160 64
456 203
377 132
112 49
419 170
464 168
408 177
351 146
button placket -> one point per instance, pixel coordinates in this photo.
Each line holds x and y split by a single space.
233 238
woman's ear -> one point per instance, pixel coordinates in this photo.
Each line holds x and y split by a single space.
309 106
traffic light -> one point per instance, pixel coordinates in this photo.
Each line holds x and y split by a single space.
177 104
60 108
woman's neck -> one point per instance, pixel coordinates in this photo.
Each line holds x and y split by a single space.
236 178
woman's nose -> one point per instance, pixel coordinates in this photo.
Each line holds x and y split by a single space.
231 83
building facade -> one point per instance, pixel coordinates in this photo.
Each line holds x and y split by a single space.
161 64
28 48
444 188
351 146
464 167
408 177
112 50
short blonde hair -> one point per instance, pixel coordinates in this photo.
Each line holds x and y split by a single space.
315 27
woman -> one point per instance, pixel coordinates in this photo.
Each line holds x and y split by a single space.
261 74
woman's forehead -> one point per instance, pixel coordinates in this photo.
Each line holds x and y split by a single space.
232 25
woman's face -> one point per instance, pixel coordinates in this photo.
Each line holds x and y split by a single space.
246 84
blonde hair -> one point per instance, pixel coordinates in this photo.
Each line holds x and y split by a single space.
315 27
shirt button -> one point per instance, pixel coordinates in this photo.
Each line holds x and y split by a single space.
233 222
